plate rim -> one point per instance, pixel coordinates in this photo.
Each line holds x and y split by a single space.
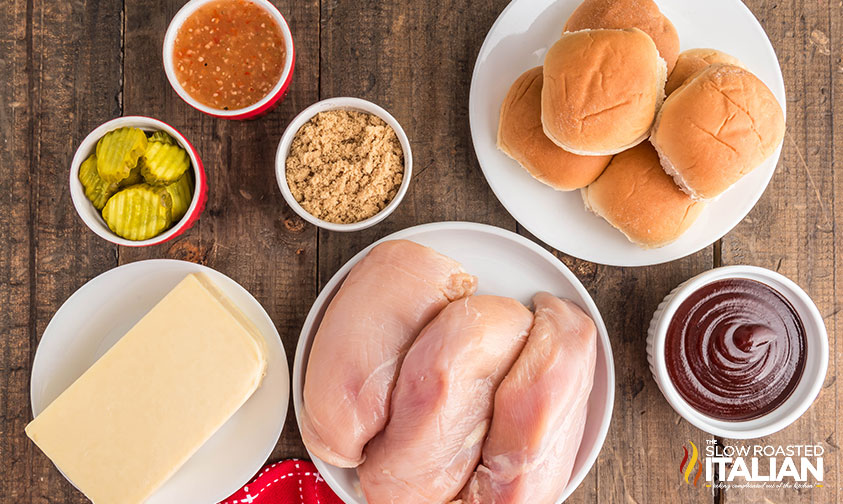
182 264
775 158
590 306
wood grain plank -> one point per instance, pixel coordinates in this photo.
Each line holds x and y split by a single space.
834 306
16 122
75 65
640 460
414 59
793 228
246 231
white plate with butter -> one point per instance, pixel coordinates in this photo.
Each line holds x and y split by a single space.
519 40
97 315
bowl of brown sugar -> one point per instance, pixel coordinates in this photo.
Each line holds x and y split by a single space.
344 164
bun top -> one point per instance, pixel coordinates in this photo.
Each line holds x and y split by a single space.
521 137
601 90
637 197
619 14
694 60
717 127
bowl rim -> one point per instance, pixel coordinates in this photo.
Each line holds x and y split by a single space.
589 306
252 110
84 206
341 103
817 349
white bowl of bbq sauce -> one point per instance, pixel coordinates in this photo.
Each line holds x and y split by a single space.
739 352
231 59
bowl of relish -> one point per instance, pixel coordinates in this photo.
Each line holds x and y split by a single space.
231 59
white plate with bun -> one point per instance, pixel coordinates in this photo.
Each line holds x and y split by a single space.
98 314
519 41
506 264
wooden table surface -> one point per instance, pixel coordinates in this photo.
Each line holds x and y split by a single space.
68 66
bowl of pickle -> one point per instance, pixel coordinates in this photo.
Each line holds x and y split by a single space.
136 181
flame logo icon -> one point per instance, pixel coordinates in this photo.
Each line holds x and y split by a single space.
686 470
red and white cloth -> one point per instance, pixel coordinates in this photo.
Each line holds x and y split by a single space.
286 482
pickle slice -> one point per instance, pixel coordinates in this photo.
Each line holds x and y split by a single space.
134 177
163 137
164 163
118 152
182 193
139 212
96 189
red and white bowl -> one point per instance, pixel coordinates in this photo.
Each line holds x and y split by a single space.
253 111
93 217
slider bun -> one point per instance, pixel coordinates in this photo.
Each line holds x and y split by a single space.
601 90
520 136
637 197
694 60
619 14
717 127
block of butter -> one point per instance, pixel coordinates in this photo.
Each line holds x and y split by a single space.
131 420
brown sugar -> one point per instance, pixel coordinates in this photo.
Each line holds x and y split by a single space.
345 166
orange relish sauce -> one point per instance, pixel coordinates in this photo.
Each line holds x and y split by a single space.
229 54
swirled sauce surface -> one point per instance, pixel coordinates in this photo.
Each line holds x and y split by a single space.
735 349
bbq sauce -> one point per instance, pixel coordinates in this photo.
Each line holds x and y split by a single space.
735 349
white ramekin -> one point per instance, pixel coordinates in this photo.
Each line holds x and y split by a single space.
253 111
816 356
341 104
93 217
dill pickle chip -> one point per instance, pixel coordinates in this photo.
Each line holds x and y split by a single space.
139 212
182 193
164 163
118 152
163 137
134 177
96 189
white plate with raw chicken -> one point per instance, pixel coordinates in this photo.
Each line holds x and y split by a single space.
500 265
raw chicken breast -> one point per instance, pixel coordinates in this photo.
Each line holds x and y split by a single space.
540 411
383 304
442 403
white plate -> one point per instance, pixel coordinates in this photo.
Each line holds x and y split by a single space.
519 40
98 314
505 264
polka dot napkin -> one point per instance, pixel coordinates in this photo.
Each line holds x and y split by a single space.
287 482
